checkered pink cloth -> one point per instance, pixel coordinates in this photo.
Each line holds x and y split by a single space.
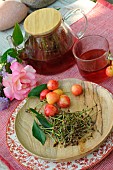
100 21
5 164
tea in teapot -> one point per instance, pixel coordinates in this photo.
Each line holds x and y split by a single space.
48 47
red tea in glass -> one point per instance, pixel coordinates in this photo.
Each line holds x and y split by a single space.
91 53
54 66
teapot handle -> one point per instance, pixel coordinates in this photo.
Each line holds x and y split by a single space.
70 13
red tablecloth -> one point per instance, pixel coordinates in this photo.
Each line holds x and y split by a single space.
100 21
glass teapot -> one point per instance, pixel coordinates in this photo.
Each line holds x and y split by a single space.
49 42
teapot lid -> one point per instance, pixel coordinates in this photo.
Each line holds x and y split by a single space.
42 21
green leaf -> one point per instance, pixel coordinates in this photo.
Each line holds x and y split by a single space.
7 67
41 119
17 35
37 90
11 51
3 58
1 79
38 133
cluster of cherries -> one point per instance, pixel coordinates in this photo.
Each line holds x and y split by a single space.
56 98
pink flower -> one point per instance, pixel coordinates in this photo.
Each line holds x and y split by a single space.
20 82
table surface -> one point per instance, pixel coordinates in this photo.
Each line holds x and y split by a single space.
64 5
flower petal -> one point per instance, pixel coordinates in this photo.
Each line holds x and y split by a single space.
29 68
20 82
9 92
17 85
25 80
16 67
7 80
18 96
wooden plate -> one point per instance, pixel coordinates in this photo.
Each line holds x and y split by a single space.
93 94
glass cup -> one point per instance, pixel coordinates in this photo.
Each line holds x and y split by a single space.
92 57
